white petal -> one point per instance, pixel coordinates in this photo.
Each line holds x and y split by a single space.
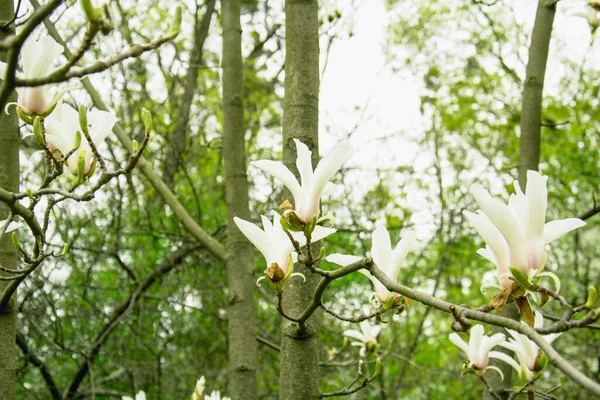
330 164
504 219
354 334
12 226
457 340
555 229
537 202
492 237
281 173
400 252
322 232
101 123
37 56
255 235
507 359
475 340
493 341
342 259
381 249
61 143
304 163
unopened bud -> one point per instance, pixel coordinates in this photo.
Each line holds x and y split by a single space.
377 367
37 131
147 119
176 23
135 145
81 166
83 123
15 239
592 297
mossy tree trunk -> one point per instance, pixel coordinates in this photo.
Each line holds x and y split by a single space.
238 258
9 180
300 348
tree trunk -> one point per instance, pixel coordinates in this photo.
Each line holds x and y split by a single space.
531 110
9 180
299 371
529 156
238 254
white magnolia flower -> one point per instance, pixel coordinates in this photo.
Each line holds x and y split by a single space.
478 350
215 395
62 127
366 338
199 389
388 260
140 396
516 233
527 351
314 184
36 58
274 243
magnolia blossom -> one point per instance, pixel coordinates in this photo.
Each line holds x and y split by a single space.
215 395
140 396
516 233
366 338
315 184
274 243
388 260
62 127
478 350
36 58
199 389
527 351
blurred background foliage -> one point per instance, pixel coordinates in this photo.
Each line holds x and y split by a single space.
137 305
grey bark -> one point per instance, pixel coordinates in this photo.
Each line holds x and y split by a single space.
9 180
529 155
299 363
238 252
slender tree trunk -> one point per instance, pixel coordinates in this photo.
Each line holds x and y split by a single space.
529 157
180 133
531 111
9 180
300 347
238 254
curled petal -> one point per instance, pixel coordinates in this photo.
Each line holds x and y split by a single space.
552 276
495 369
300 275
260 279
